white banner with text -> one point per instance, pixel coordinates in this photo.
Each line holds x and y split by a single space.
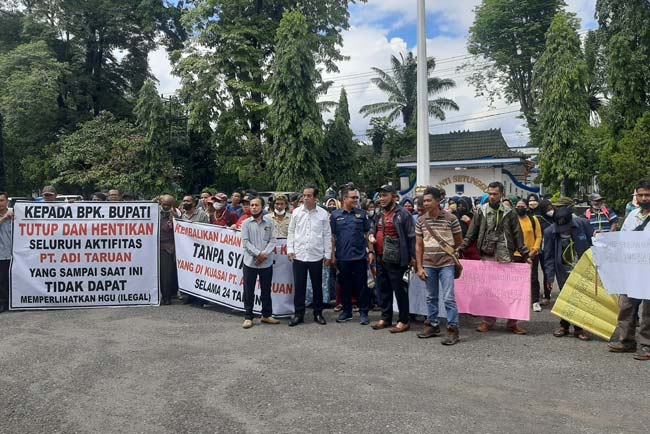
84 254
209 261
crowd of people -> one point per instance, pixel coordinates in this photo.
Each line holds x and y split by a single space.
359 250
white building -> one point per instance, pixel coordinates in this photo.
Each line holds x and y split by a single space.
465 162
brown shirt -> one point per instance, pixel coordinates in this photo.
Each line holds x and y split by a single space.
446 224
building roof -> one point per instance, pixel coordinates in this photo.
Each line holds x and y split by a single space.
467 145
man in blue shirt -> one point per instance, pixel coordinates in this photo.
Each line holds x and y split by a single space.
350 227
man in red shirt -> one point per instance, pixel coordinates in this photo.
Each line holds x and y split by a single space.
221 215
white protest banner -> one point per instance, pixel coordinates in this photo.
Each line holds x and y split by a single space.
209 261
84 254
623 262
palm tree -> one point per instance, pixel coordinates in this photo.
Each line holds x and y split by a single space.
401 88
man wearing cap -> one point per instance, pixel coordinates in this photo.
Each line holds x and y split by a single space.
601 218
281 217
221 216
632 309
246 210
394 233
350 227
495 230
309 242
565 241
49 193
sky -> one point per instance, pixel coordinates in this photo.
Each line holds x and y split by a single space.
381 28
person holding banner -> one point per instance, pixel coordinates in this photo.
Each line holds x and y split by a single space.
281 217
434 229
495 230
532 231
565 241
168 280
309 242
633 308
258 241
192 213
5 249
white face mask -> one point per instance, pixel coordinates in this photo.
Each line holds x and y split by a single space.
371 213
278 212
550 213
218 205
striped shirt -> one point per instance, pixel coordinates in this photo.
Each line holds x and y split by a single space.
447 225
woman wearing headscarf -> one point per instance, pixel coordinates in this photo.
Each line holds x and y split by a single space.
543 210
407 204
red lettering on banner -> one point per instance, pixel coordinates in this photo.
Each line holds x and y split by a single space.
75 229
38 229
108 257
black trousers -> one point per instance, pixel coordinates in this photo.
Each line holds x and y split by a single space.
534 277
390 278
168 277
250 281
4 282
353 276
300 271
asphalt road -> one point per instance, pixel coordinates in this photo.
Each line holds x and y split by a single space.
179 369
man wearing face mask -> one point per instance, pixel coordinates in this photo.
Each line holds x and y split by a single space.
495 230
168 281
192 213
281 217
601 218
565 241
222 216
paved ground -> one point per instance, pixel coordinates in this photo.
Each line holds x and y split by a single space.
178 369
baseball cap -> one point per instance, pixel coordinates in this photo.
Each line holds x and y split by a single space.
386 188
563 201
595 197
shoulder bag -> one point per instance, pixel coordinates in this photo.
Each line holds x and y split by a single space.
448 249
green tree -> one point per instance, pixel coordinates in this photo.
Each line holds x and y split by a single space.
338 156
30 84
377 133
401 88
625 29
109 153
627 163
560 81
230 58
149 111
295 121
509 35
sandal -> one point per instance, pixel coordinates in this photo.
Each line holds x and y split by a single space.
582 336
338 308
558 333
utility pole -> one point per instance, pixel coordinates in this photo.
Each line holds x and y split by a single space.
423 157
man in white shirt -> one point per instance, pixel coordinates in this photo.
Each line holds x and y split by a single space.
309 243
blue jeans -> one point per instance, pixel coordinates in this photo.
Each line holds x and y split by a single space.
441 280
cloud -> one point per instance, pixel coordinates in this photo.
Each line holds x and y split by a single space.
162 70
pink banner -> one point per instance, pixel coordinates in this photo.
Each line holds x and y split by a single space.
494 289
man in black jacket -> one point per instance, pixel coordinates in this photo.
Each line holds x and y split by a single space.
395 248
565 241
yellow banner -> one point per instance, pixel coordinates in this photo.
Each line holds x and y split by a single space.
585 302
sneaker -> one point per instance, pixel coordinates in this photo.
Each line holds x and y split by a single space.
545 301
643 353
364 320
537 307
355 308
269 320
621 347
344 317
452 337
248 323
